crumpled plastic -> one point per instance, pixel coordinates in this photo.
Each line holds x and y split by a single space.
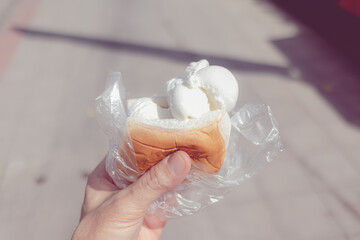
254 142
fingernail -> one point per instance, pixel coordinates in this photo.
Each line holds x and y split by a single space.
176 162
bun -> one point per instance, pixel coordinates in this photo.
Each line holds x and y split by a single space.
204 139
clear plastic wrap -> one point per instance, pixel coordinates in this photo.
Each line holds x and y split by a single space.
254 142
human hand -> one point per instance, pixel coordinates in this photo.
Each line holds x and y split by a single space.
109 213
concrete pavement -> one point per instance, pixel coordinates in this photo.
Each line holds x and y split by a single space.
59 55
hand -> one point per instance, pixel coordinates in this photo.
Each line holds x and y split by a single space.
109 213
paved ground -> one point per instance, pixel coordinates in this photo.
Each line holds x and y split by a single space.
54 59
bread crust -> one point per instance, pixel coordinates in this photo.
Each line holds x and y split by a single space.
205 144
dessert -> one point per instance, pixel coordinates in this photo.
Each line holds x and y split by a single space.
193 117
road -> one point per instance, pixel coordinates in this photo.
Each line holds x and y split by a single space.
55 57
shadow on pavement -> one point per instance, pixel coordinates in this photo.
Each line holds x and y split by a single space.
342 91
176 55
339 85
328 20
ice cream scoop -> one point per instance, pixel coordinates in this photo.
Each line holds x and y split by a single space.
148 108
202 88
186 102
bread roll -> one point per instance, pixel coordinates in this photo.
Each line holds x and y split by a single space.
205 141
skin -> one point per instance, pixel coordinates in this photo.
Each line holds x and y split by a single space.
110 213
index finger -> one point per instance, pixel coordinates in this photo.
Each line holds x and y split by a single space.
100 180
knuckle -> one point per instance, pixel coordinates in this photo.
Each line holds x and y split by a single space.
88 190
88 193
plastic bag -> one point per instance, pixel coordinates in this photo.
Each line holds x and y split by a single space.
254 142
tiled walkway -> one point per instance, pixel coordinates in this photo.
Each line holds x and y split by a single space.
54 59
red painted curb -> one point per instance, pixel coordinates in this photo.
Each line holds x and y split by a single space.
10 39
352 6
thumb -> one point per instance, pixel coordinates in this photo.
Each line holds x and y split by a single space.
160 179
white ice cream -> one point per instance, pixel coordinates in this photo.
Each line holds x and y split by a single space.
202 89
185 102
147 108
